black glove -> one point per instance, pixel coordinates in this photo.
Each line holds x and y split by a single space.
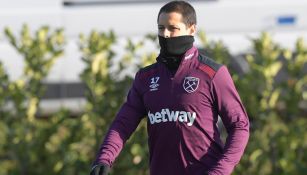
100 169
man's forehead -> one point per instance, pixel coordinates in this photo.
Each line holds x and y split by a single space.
170 18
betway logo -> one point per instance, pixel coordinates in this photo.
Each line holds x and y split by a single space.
172 116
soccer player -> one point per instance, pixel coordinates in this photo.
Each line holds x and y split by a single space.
182 94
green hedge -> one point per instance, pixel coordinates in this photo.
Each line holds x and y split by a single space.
61 144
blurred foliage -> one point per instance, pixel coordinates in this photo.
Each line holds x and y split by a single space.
273 91
216 50
23 137
105 95
39 52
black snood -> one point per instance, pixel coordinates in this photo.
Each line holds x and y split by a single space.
173 48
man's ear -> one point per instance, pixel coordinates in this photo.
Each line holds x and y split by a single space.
192 29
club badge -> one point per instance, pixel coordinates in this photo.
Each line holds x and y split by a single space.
190 84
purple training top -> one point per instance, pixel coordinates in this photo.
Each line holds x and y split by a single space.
182 110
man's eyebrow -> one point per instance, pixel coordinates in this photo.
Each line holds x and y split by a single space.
160 25
176 26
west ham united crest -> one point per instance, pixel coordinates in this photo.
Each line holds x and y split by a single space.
190 84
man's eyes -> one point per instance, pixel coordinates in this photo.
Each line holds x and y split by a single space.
174 28
170 28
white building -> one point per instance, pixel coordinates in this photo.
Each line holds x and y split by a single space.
232 21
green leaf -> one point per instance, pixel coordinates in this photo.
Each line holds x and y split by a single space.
255 154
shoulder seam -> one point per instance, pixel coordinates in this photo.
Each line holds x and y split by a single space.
146 68
146 71
209 66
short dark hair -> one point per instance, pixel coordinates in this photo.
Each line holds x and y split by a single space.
184 8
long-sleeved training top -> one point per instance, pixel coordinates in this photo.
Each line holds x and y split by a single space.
182 111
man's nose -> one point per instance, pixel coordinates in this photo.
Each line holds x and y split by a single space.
166 33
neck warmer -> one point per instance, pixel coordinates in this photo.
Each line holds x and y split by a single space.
173 48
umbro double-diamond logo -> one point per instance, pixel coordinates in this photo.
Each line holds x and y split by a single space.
154 83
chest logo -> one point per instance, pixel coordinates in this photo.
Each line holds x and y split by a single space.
154 83
190 84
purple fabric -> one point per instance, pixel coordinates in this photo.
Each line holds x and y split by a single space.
182 112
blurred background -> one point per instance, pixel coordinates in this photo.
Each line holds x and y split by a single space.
66 67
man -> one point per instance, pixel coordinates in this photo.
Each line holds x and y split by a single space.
182 94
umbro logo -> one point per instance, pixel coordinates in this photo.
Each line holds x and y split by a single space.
154 83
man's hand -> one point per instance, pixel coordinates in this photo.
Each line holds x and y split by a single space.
100 169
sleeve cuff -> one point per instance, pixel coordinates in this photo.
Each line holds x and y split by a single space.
100 168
